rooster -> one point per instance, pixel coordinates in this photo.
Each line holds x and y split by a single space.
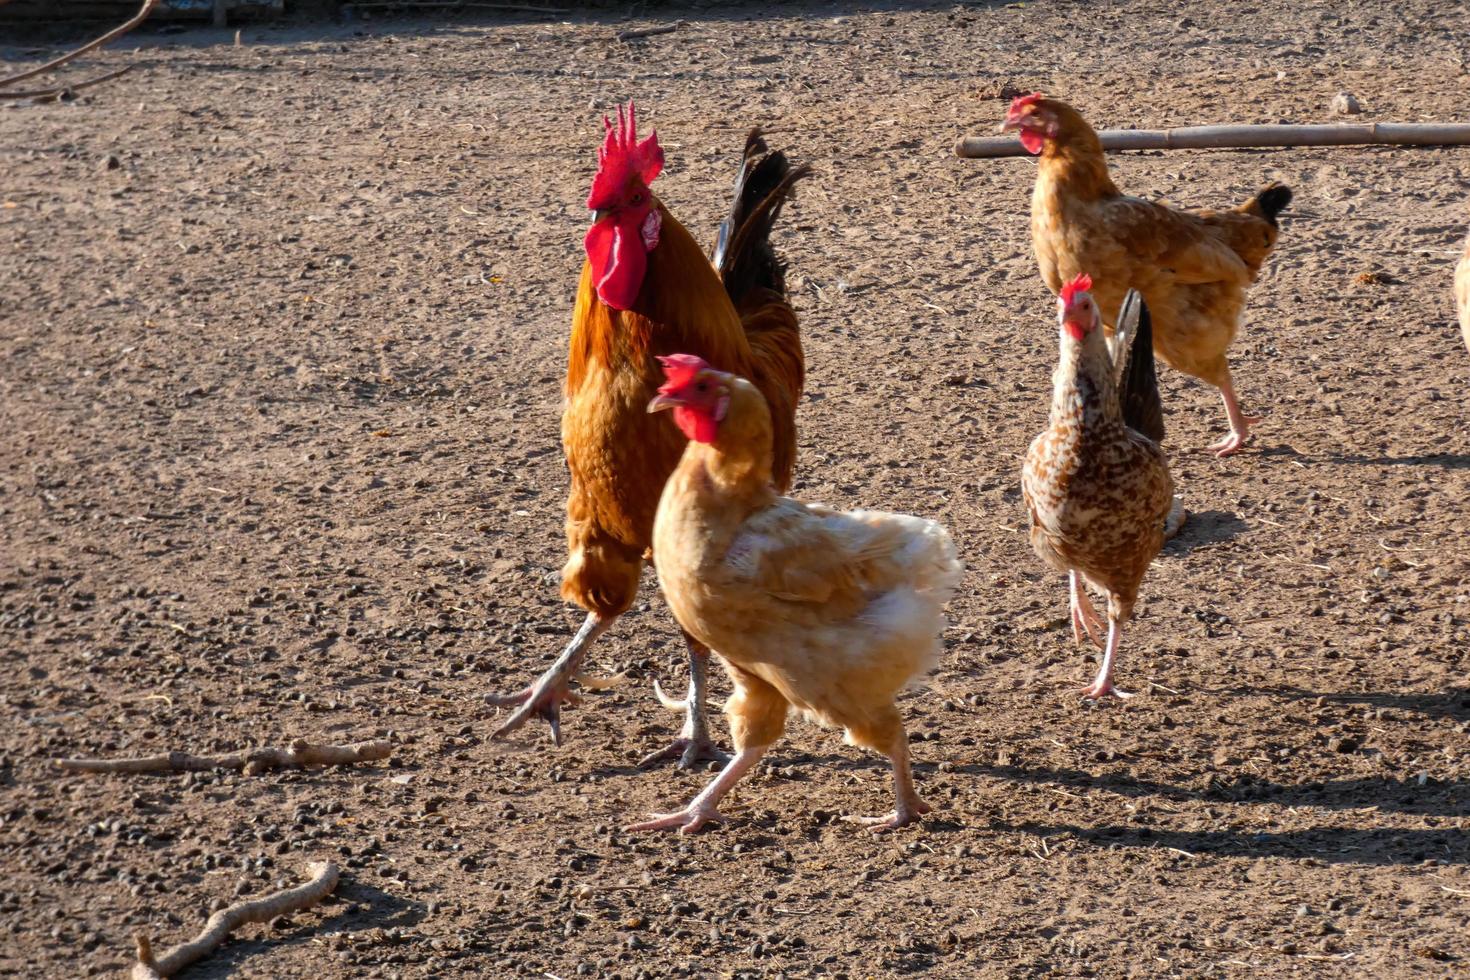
1462 293
647 289
828 612
1191 267
1096 482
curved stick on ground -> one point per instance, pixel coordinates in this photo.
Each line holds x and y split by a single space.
111 35
55 90
226 920
252 762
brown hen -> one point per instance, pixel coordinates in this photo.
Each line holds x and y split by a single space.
1192 268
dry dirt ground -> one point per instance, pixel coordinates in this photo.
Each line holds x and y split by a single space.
284 324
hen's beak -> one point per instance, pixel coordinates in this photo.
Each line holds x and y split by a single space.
1010 123
662 403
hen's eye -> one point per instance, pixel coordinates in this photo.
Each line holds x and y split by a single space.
702 386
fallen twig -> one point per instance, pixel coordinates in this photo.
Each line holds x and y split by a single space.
634 33
1217 137
226 920
111 35
252 761
51 93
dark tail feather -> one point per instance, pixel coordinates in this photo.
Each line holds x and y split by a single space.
743 252
1138 391
1271 201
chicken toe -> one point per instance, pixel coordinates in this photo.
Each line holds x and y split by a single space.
704 808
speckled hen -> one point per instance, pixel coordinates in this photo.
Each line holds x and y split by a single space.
1099 491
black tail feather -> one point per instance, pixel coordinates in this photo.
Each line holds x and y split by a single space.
743 252
1138 391
1272 200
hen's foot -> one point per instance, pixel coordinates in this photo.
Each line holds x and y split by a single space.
1085 620
901 817
689 751
1237 438
1101 689
687 820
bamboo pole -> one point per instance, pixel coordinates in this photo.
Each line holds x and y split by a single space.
1215 137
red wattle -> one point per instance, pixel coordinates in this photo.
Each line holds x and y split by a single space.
1032 141
699 428
618 259
1078 331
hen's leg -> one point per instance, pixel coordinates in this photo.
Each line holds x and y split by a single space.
887 735
705 807
757 716
1085 619
694 744
1102 684
1240 423
544 698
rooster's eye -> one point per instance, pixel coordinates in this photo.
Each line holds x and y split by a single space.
702 386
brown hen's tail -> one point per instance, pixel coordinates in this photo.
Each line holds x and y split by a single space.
743 252
1135 374
1269 202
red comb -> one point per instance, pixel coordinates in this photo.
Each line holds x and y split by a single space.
681 369
621 156
1022 101
1081 284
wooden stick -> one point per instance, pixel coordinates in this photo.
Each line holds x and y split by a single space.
111 35
219 925
1213 137
46 93
633 34
252 762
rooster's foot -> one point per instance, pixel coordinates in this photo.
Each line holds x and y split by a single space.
689 751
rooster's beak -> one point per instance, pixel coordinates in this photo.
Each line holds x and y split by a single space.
599 215
662 403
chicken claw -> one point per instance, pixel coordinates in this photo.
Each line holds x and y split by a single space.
1101 689
545 698
688 820
901 817
1240 423
694 744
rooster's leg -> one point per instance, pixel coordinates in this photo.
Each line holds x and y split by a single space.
544 698
1240 423
909 807
1102 684
1084 617
694 744
705 807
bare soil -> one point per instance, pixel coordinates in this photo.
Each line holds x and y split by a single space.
284 325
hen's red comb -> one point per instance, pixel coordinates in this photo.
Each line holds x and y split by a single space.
621 156
1022 101
1082 284
681 369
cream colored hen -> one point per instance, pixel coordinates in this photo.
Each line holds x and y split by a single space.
828 612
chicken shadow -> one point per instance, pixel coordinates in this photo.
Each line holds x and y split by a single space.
1334 845
1453 702
1447 461
1204 527
352 908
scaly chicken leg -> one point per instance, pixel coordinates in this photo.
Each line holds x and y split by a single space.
544 698
1085 620
909 807
1240 423
1102 685
705 808
694 744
